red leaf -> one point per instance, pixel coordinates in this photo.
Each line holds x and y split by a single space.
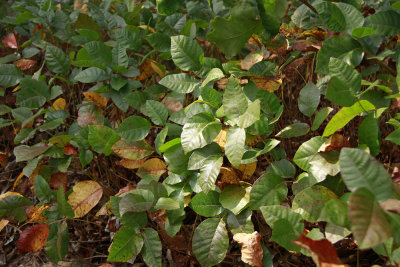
33 238
59 179
322 251
25 64
70 150
10 41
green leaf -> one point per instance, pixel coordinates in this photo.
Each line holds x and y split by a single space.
394 137
294 130
132 149
186 53
23 152
213 75
160 139
331 15
99 52
282 168
306 151
92 74
160 41
320 117
168 7
199 156
284 233
234 147
14 205
63 206
361 32
206 205
33 93
324 164
368 134
174 156
309 99
126 245
353 16
42 189
134 128
384 22
209 173
210 242
338 47
10 75
136 201
157 112
199 131
58 241
347 74
346 114
310 201
269 189
152 249
368 223
339 93
250 116
101 138
57 61
335 211
234 100
166 203
231 34
235 198
359 169
181 83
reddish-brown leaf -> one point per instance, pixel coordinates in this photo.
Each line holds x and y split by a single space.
96 98
322 251
146 71
59 179
125 189
335 142
306 46
33 238
25 64
36 214
3 159
252 252
70 150
10 41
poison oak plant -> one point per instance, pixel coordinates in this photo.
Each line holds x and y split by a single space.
190 95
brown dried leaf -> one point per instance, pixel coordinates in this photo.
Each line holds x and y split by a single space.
251 59
25 64
85 197
18 180
125 189
392 205
146 71
270 84
79 4
229 176
59 179
10 41
70 149
172 104
132 149
248 169
96 98
131 163
153 166
3 223
320 35
60 104
3 159
36 214
221 83
33 238
221 139
335 142
157 69
252 252
322 251
306 46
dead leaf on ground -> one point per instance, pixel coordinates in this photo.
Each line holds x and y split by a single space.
154 167
60 104
322 251
3 159
10 41
18 180
36 214
320 35
25 64
79 4
248 169
7 194
335 142
172 104
220 139
96 98
131 163
306 46
70 149
33 238
271 84
251 59
85 196
157 69
125 189
146 71
229 175
252 252
132 149
59 179
3 223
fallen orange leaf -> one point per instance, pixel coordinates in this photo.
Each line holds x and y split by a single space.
85 196
248 169
96 98
33 238
25 64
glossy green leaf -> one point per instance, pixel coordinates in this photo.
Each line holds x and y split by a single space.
339 93
352 15
62 204
346 114
152 249
101 138
361 32
284 233
309 99
346 74
282 168
207 205
33 93
157 112
14 205
199 131
306 151
335 211
235 198
174 156
209 173
10 75
320 117
394 137
294 130
166 203
181 83
368 221
234 147
99 52
234 99
210 242
359 169
160 139
186 53
384 22
42 189
134 128
92 74
269 189
126 244
213 75
331 15
57 61
310 201
136 201
250 116
199 156
231 34
324 164
368 134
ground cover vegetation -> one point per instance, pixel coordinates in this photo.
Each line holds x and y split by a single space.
186 133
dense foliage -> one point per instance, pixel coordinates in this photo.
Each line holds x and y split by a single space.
268 124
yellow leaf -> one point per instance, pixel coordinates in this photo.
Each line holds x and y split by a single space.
96 98
248 169
270 84
18 180
3 224
229 176
153 166
221 139
85 196
36 214
7 194
132 163
157 69
60 104
145 27
252 252
16 88
251 59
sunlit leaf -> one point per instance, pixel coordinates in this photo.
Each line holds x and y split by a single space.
85 196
